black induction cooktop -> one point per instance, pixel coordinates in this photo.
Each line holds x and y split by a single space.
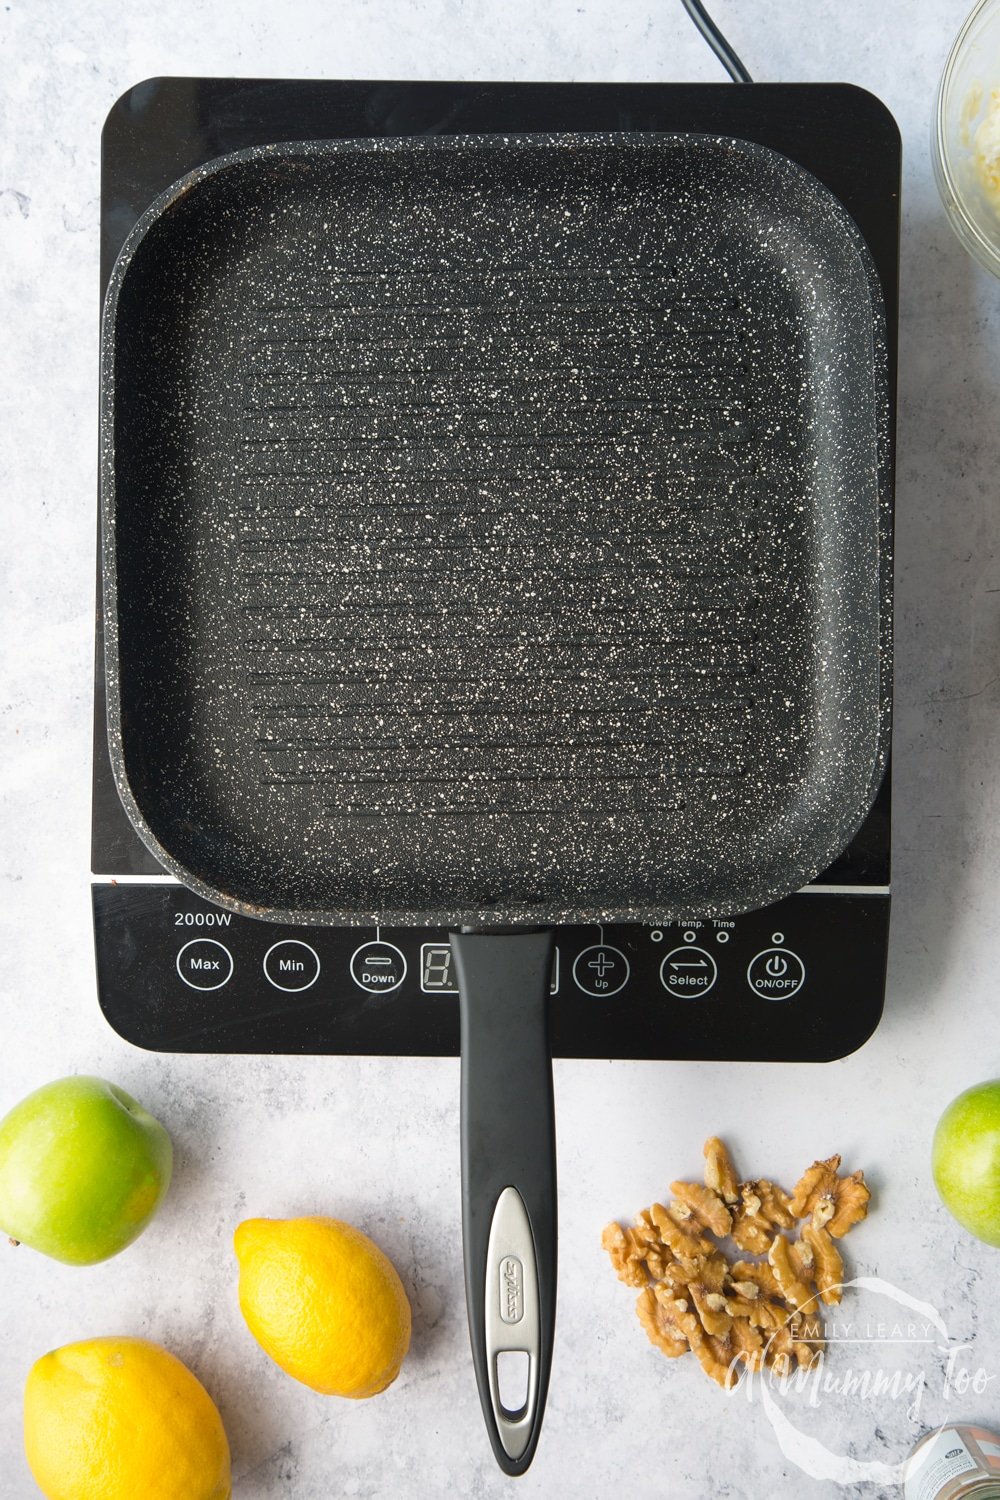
801 980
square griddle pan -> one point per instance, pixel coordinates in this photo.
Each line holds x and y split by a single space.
496 534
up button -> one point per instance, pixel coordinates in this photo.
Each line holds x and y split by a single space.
601 970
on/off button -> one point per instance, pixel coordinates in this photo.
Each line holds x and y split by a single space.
776 974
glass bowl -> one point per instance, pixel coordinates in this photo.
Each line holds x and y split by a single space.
964 100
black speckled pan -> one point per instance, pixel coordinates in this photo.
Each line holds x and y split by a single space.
496 531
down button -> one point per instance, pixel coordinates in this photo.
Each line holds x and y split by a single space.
378 966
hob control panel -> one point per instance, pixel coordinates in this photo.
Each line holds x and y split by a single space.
800 980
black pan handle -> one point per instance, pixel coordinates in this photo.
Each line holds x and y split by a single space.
508 1174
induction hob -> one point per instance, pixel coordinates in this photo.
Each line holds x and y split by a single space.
802 980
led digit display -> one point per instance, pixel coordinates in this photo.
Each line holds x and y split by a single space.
435 968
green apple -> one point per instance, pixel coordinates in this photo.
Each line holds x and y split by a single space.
83 1169
966 1160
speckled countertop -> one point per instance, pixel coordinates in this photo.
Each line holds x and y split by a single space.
376 1141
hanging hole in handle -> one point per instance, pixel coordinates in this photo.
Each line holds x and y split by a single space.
513 1370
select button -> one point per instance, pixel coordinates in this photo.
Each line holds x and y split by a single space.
688 972
205 964
291 965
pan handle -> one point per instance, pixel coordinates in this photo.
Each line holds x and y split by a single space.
508 1176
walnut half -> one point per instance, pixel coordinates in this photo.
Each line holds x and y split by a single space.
763 1208
833 1203
720 1174
626 1257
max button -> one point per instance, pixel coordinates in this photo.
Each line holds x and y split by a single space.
205 964
291 965
378 966
776 974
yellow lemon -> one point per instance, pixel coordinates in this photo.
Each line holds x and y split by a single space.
324 1302
120 1418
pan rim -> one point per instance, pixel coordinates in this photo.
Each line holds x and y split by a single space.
799 874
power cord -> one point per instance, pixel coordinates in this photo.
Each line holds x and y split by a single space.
716 41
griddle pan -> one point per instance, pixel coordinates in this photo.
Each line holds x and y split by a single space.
495 535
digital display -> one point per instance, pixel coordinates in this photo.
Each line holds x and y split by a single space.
437 973
436 969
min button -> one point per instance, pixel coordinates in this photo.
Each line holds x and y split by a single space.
291 965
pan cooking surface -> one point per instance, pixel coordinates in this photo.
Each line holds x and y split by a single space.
493 526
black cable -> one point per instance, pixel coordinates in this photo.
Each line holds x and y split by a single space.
716 41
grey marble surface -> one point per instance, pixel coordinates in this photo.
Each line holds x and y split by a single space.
376 1141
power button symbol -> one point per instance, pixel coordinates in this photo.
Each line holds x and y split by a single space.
776 974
